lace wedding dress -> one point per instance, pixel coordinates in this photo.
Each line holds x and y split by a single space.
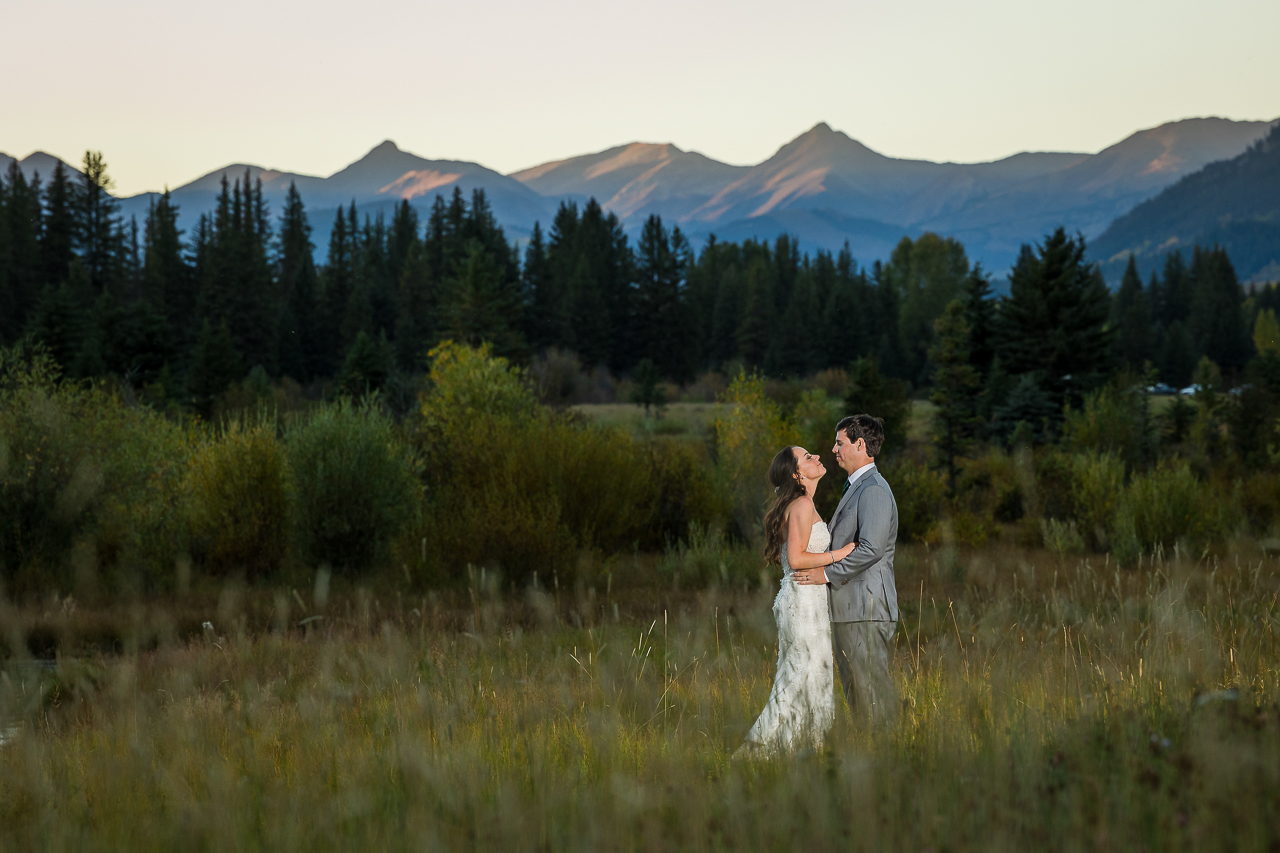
801 706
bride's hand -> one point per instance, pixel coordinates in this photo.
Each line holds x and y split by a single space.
841 553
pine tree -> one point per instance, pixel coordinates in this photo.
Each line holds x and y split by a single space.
726 316
338 282
58 237
853 323
1176 289
759 314
368 367
60 323
1178 357
215 364
301 349
417 298
20 220
600 293
1217 322
980 314
873 393
661 317
792 351
165 284
552 306
1131 319
957 387
542 308
401 239
97 234
1053 323
476 306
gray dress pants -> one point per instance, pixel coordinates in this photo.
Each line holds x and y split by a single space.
863 651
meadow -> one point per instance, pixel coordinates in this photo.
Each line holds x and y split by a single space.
1047 703
493 623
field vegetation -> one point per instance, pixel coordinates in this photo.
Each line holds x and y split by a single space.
496 622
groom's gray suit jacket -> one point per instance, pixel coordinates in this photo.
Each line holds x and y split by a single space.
862 587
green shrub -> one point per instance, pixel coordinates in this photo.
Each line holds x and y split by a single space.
78 466
1061 537
1260 501
355 485
749 432
1115 420
519 487
1097 487
50 485
1170 506
236 490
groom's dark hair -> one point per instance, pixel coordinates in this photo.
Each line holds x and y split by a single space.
866 427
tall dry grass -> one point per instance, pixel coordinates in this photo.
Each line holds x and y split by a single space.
1048 703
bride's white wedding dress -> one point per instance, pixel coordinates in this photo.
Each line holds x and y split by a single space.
801 706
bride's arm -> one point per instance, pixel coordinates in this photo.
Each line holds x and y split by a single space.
799 529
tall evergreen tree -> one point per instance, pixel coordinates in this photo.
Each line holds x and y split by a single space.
165 285
477 307
60 321
662 326
956 389
58 237
301 349
726 315
417 299
601 291
793 348
21 215
1053 323
1132 321
1178 355
1176 289
401 238
980 315
338 284
1217 322
215 364
542 309
927 273
97 234
759 313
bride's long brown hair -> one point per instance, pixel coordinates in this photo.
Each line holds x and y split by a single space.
783 477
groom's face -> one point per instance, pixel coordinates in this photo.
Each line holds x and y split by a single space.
850 455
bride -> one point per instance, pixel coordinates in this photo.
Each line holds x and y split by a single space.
801 706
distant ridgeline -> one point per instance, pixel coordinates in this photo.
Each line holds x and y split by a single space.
1234 204
184 316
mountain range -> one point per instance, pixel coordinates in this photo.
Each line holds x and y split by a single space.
1234 203
824 187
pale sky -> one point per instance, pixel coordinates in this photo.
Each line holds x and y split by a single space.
171 90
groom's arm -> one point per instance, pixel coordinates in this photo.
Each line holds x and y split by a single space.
875 515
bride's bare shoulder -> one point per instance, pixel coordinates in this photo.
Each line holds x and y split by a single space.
801 509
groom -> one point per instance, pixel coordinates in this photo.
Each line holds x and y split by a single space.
862 594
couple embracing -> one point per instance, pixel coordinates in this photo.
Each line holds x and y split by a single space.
838 597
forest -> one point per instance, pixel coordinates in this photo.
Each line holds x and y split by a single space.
183 317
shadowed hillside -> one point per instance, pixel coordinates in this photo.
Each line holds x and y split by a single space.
1235 203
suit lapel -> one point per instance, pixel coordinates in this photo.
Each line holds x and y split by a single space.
852 494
